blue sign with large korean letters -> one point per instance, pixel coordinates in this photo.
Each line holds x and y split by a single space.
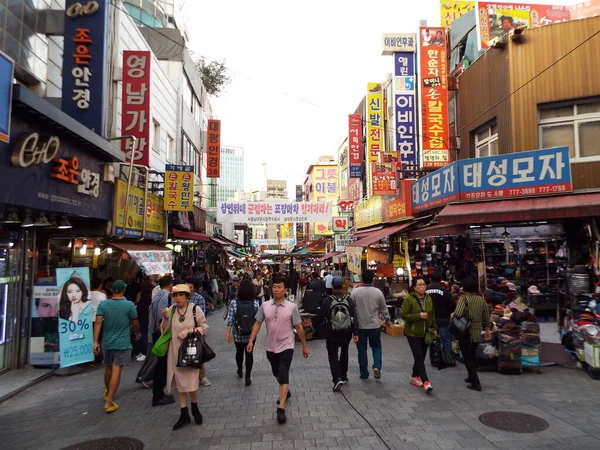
405 108
436 189
537 172
85 63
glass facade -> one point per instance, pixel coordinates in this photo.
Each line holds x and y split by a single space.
232 173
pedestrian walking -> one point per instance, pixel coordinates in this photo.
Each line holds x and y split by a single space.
281 317
195 285
443 305
259 285
420 329
328 279
473 306
370 306
182 319
339 313
160 303
240 321
115 317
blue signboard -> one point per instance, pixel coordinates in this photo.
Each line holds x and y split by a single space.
405 108
537 172
7 66
436 189
84 78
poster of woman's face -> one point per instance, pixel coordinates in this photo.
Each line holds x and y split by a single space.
74 294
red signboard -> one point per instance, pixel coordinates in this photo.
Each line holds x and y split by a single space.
355 150
384 179
135 111
434 97
213 152
400 207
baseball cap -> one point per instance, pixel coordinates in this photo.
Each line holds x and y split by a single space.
118 286
337 282
235 278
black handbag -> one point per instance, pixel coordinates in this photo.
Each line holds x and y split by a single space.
207 352
460 326
190 352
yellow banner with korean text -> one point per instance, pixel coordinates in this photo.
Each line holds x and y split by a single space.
368 213
133 226
452 10
375 132
325 189
179 187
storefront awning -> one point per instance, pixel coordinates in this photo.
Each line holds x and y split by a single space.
233 255
436 230
326 257
190 235
380 234
152 258
522 209
358 234
220 239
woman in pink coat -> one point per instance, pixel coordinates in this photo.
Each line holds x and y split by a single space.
180 319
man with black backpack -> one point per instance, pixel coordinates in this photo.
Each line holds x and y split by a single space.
338 310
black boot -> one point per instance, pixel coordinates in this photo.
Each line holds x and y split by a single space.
240 373
281 415
248 381
196 414
184 419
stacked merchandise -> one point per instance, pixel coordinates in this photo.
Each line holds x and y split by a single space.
531 351
591 348
428 256
509 351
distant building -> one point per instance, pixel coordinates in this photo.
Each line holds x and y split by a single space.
277 189
232 173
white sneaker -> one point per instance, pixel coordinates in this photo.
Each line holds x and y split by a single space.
141 358
205 382
416 381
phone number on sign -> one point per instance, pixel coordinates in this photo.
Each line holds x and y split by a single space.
517 192
77 350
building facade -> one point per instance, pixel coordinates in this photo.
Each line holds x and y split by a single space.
232 173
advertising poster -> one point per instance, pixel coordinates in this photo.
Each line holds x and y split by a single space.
213 151
434 97
496 19
355 153
452 10
44 343
132 227
325 189
354 258
179 188
384 179
405 107
75 327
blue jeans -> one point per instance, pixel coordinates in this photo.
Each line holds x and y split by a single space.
446 338
374 337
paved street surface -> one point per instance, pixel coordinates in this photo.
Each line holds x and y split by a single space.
65 410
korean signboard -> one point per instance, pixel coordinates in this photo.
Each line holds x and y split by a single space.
436 188
354 189
405 108
522 174
213 149
342 241
325 189
340 224
273 212
452 10
375 133
384 178
496 19
282 241
135 112
153 209
434 97
179 188
354 259
400 208
403 42
84 81
585 9
368 213
355 152
7 66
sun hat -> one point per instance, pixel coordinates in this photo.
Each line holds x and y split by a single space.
182 288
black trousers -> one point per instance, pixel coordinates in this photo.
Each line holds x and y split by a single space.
240 351
419 350
337 352
469 353
160 374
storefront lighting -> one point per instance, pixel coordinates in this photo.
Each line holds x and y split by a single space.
12 218
97 251
177 249
400 271
11 244
27 222
109 250
83 249
70 244
41 221
64 224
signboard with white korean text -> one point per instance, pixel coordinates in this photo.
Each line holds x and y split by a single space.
522 174
282 241
436 188
7 66
179 188
355 146
273 212
342 241
384 178
213 149
405 108
135 111
84 71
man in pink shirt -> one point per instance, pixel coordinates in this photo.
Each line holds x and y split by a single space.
281 317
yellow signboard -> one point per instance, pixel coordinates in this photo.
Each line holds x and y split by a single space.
179 187
375 139
354 257
368 213
153 208
325 189
452 10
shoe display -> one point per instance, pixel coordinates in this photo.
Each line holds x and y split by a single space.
377 373
205 382
416 381
281 416
427 387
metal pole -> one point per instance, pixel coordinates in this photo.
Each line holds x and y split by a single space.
131 162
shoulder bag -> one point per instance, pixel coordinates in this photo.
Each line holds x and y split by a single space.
162 344
194 350
460 326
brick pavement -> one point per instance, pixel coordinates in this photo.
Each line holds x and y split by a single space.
66 410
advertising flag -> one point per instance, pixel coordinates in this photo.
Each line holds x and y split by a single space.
179 188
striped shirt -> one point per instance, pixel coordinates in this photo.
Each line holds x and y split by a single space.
476 309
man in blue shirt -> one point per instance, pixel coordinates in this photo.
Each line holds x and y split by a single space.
195 286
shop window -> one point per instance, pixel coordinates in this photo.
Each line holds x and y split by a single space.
575 125
156 137
171 156
486 141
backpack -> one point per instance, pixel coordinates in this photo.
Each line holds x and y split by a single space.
244 317
340 316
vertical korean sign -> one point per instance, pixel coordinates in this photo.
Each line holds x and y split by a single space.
213 152
7 66
84 78
325 190
179 188
355 145
405 108
434 97
135 111
75 328
375 133
450 10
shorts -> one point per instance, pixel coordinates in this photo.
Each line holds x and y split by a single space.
117 357
280 365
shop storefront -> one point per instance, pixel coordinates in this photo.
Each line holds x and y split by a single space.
56 203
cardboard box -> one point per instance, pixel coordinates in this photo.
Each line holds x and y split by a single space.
592 355
394 330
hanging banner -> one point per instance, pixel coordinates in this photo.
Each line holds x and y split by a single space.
75 328
452 10
434 97
282 241
405 108
375 139
135 109
179 188
213 149
153 262
355 145
354 258
155 216
84 67
273 212
7 66
44 342
496 19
